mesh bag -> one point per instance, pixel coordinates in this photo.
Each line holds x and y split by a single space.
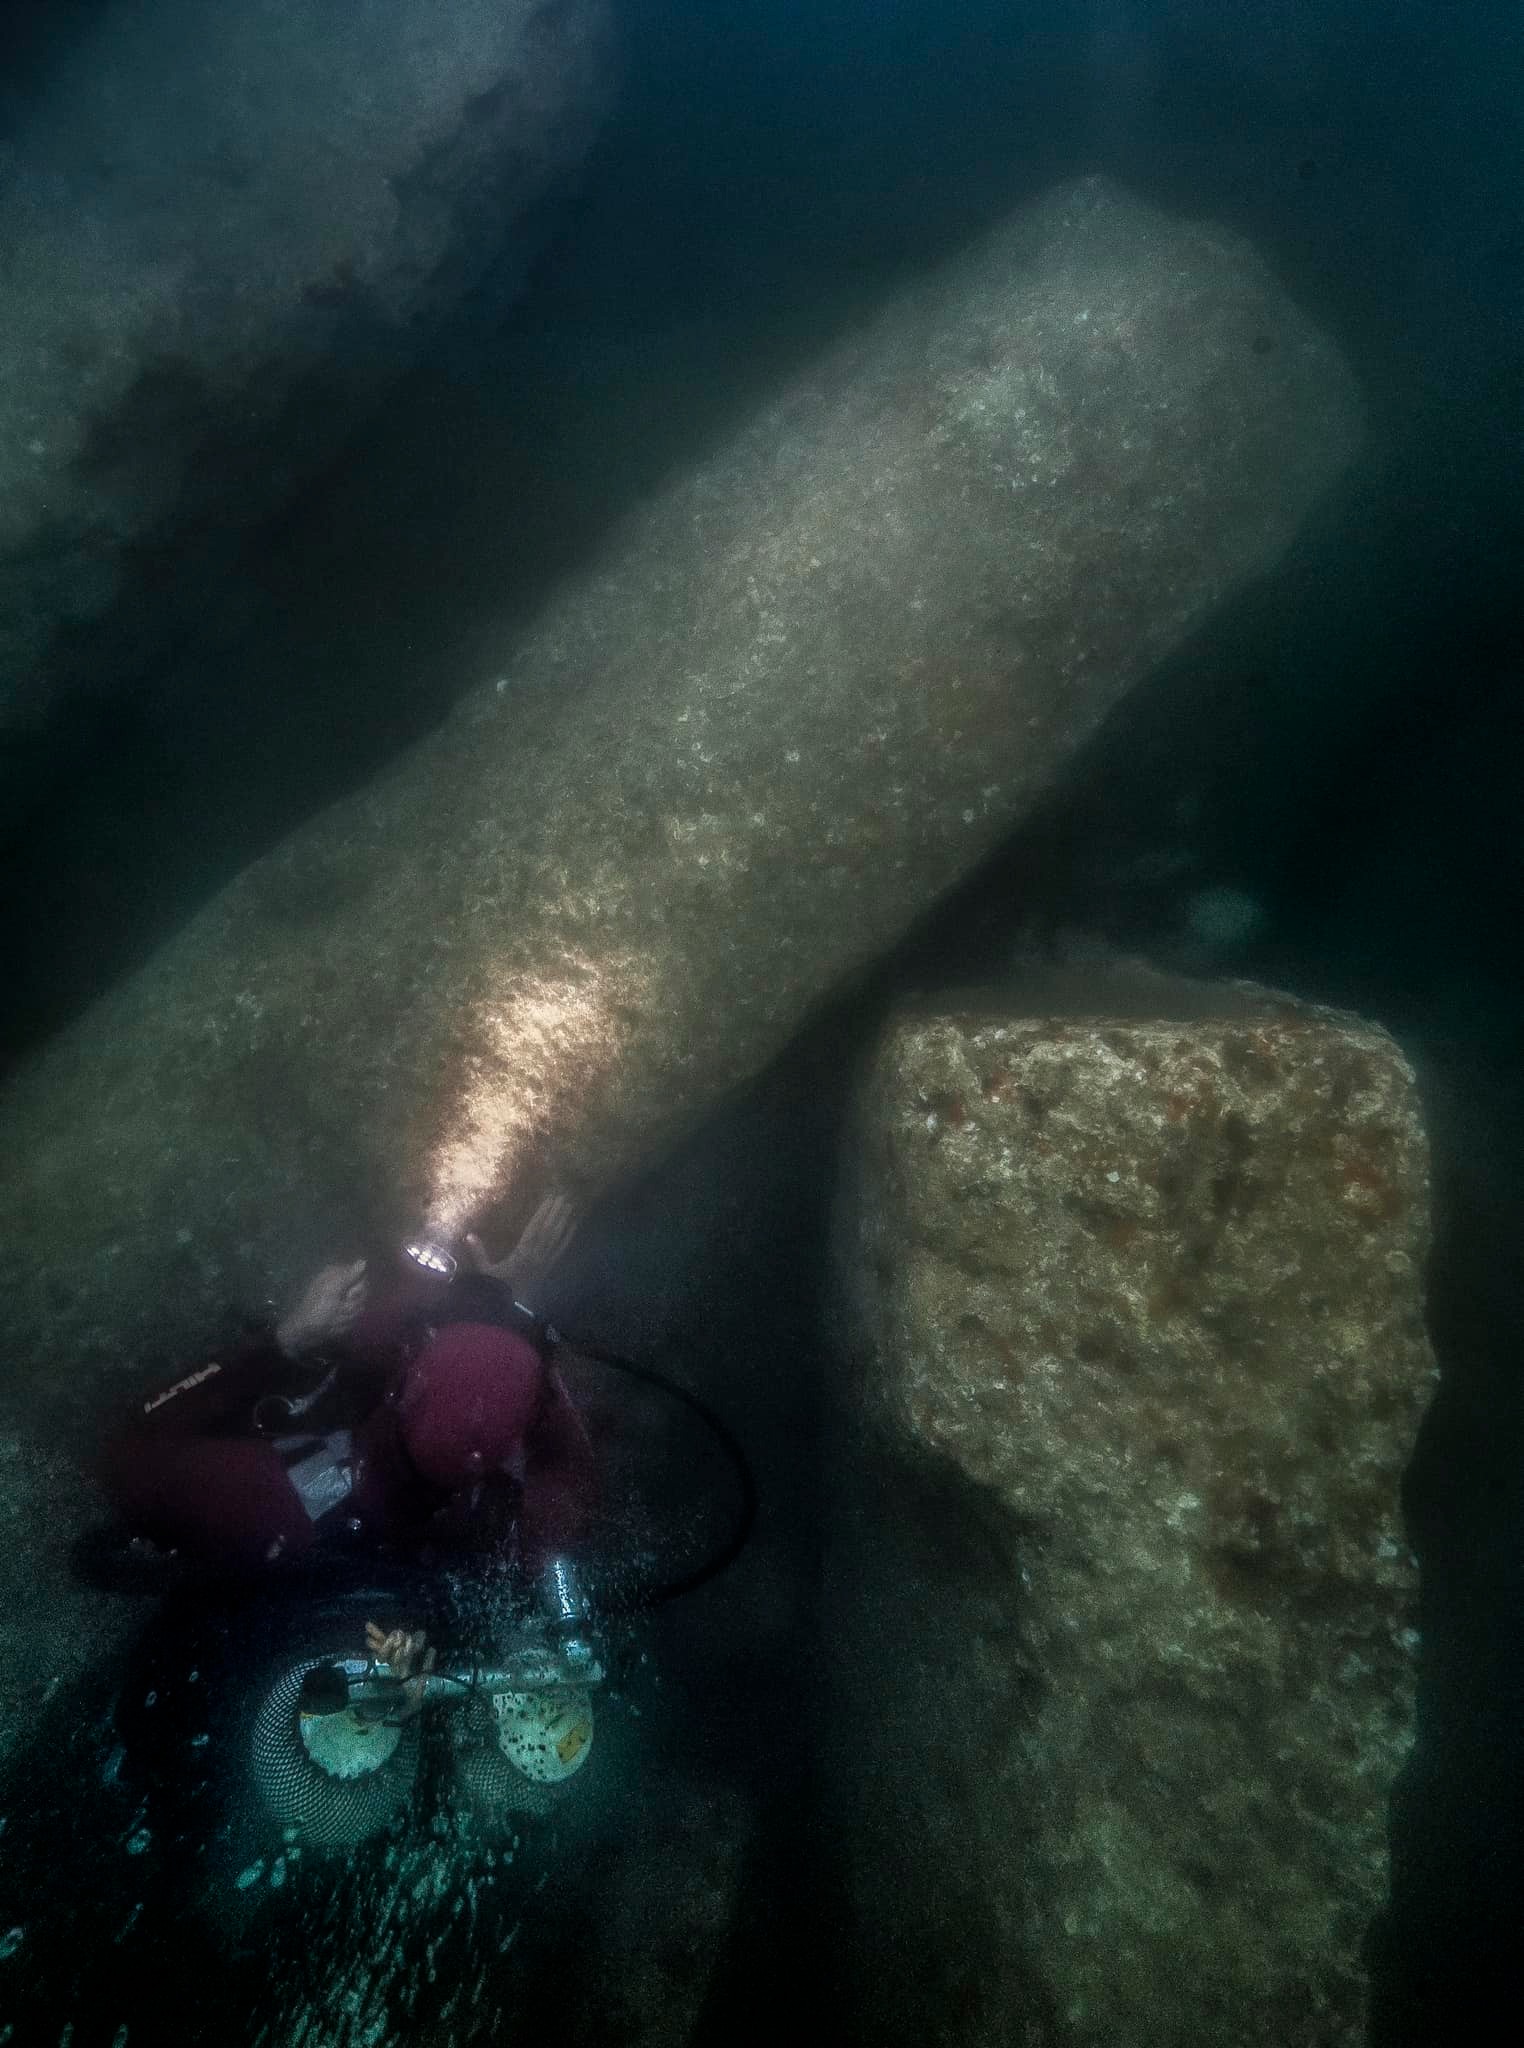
330 1810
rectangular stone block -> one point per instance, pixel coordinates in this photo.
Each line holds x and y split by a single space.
1143 1293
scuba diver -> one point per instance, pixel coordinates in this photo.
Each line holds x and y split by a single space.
427 1430
409 1454
434 1417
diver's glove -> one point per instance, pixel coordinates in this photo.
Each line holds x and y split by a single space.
406 1654
328 1308
546 1239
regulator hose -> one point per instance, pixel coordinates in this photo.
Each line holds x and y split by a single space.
740 1535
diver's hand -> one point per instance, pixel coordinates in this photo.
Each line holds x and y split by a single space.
329 1308
547 1238
407 1655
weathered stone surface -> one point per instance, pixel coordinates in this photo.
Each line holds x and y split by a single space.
46 1608
802 692
663 1911
1152 1284
208 211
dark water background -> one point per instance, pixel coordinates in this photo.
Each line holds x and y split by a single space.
1342 751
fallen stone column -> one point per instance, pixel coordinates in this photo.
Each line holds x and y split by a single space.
1123 1599
802 692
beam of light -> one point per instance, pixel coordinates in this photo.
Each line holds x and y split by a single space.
545 1041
